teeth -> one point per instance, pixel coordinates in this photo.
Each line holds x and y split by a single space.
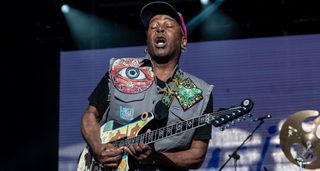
160 43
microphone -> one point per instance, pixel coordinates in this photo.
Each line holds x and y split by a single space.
268 116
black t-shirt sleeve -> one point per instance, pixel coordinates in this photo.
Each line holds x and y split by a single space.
99 96
204 132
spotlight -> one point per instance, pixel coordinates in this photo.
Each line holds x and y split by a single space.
65 8
204 2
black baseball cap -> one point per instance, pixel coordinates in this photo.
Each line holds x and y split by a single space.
160 7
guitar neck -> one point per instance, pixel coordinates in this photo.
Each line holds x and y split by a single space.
177 128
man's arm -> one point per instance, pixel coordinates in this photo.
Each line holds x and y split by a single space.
90 127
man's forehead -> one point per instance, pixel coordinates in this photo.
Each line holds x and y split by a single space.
162 17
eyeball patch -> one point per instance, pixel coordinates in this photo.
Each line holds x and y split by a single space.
129 77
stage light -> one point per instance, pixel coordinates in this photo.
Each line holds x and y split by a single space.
65 8
207 11
204 2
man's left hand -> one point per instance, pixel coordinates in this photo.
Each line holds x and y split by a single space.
141 152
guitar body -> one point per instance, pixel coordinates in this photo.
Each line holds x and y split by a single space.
110 134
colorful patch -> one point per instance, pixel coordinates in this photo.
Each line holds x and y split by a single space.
129 77
185 91
188 94
126 113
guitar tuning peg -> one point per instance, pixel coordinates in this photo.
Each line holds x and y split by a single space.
238 120
227 125
222 128
250 115
217 122
233 122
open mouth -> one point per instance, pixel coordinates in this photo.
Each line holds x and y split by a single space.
160 42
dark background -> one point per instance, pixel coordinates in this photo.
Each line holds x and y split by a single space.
34 33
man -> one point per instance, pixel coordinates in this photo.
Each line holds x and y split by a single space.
153 84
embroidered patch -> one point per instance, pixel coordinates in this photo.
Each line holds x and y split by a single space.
126 113
129 77
188 94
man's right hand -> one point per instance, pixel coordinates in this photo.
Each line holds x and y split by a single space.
108 155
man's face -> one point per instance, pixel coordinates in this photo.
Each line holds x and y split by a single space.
164 37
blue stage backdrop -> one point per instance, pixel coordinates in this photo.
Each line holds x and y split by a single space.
280 74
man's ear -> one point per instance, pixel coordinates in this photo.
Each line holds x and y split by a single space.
184 42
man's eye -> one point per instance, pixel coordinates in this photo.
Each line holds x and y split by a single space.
153 25
132 73
169 25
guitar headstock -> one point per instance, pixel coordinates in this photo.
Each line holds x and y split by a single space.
226 118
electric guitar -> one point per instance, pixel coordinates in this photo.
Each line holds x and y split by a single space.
129 134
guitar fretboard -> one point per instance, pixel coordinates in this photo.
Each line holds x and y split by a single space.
180 127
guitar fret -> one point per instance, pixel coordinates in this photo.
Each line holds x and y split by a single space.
142 138
135 139
149 139
207 119
161 131
174 129
131 141
169 130
154 135
119 143
116 144
179 127
184 126
189 124
202 119
195 122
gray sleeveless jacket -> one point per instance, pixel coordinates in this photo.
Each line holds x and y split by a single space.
133 90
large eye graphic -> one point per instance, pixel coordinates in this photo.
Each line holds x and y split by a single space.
129 77
132 73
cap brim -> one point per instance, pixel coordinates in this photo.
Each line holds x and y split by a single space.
155 8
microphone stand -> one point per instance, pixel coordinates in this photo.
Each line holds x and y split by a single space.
235 154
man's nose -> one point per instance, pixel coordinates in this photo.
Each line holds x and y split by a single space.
160 29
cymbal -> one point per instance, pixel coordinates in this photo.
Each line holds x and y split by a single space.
302 139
